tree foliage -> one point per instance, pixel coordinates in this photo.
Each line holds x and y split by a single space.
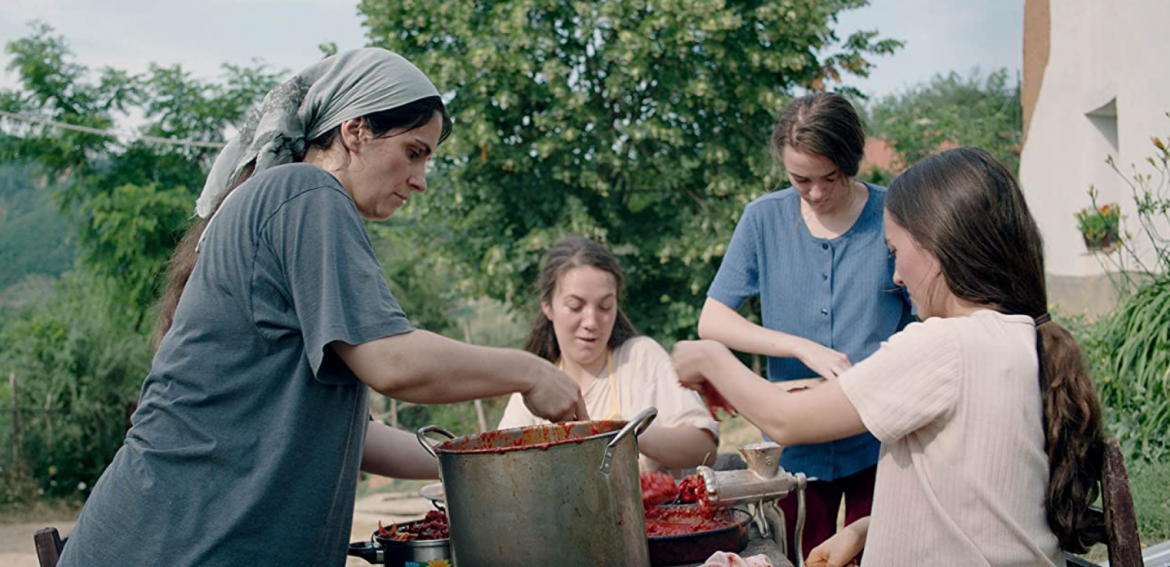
109 183
80 351
641 124
77 356
951 110
37 239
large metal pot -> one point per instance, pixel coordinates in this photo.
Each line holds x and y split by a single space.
563 494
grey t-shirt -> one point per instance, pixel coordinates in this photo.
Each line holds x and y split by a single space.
248 436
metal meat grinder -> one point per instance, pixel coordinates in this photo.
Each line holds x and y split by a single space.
760 486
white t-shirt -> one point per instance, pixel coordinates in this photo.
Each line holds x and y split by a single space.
645 377
962 475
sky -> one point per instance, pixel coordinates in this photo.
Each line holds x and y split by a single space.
940 35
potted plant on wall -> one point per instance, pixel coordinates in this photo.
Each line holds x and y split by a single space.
1099 225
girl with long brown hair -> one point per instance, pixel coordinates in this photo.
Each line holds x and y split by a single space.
581 327
990 426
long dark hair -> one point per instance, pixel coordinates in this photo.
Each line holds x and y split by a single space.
565 255
966 208
824 124
397 120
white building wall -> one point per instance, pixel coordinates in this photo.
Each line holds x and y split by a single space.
1105 91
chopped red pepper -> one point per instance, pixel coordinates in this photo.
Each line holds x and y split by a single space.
716 401
657 488
433 526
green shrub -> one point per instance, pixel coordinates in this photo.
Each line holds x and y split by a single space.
1135 383
1128 352
76 354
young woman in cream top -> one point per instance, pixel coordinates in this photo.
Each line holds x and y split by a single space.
990 427
583 330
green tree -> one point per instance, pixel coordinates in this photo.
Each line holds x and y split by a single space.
78 356
643 124
131 200
953 111
82 350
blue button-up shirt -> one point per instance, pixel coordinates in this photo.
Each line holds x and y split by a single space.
838 292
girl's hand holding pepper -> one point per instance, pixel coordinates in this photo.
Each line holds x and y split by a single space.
693 361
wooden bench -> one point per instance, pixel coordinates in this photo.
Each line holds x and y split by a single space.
1121 532
49 546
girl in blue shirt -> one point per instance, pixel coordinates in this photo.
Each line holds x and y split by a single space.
815 255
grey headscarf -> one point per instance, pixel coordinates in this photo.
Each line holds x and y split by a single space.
338 88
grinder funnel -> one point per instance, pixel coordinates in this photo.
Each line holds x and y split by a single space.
763 459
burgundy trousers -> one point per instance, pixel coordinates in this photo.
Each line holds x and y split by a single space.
822 502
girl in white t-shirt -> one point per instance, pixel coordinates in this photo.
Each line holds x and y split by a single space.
582 329
990 427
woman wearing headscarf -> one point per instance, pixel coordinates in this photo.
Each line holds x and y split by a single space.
253 422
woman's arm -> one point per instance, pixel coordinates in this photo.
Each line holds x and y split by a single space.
426 368
841 549
820 414
678 447
721 323
396 453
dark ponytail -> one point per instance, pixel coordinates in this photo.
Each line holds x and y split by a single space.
182 264
179 269
965 208
1074 439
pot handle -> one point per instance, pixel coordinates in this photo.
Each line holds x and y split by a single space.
636 426
368 550
422 437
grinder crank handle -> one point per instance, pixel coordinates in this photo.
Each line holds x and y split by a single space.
798 534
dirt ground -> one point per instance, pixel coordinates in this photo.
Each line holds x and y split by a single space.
17 550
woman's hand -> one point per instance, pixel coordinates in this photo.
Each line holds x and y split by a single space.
694 359
842 549
823 360
554 395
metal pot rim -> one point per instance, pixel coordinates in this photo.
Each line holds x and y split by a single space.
613 428
388 543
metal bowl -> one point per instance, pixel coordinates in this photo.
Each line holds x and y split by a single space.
697 547
394 553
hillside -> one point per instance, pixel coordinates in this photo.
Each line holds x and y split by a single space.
35 239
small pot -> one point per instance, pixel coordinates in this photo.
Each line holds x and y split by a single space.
394 553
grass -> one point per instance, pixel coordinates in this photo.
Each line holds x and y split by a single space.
1150 485
47 511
